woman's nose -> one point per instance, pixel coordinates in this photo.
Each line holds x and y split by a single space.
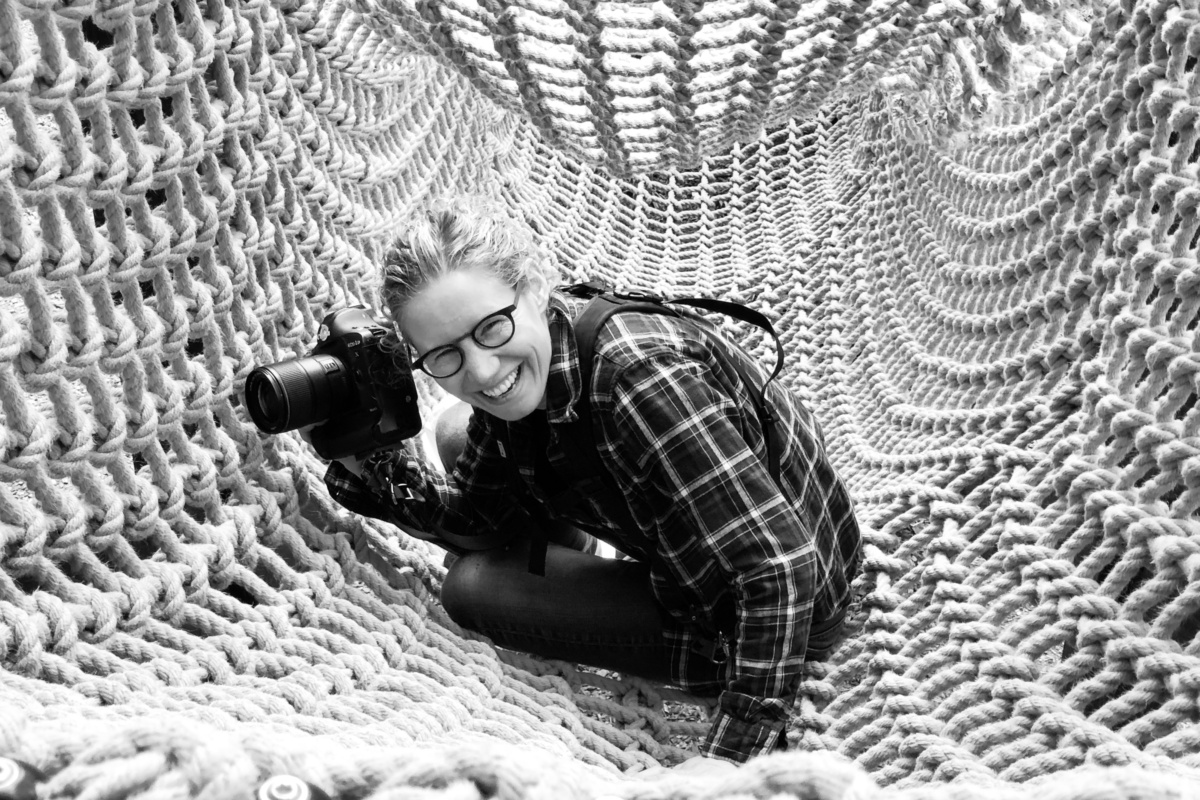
481 366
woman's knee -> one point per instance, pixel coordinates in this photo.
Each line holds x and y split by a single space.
463 589
450 433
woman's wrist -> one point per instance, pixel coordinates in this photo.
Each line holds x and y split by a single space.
353 464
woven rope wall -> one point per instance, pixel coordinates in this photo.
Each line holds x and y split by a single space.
975 223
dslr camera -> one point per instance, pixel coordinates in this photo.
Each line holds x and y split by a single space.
360 397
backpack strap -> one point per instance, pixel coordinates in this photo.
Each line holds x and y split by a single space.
603 304
592 289
586 475
535 516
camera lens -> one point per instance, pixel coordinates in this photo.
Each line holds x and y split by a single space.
291 394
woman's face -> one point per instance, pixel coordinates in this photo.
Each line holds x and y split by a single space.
508 381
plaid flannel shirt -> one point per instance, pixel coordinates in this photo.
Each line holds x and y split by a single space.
679 434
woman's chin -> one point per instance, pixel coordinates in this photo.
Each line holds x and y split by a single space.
510 411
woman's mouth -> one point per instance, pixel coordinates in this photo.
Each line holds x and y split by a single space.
504 388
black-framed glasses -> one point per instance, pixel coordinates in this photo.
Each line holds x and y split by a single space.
494 330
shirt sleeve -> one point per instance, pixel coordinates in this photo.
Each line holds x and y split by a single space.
473 499
716 508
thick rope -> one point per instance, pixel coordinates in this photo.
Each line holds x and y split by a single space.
975 225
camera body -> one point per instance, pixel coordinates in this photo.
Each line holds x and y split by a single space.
359 397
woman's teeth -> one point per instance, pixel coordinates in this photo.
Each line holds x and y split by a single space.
505 387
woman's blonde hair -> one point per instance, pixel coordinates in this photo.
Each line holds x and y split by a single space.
456 233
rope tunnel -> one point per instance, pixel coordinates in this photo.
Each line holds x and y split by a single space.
974 223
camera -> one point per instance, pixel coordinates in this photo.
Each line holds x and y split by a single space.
360 397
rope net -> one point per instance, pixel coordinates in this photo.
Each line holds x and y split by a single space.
975 224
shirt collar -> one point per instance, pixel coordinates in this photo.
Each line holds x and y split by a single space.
564 378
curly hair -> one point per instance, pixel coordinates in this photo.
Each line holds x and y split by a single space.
456 233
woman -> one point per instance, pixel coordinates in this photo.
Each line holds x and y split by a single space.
732 580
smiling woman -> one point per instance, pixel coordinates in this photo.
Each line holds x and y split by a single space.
740 548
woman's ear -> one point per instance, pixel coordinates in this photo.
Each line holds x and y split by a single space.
539 288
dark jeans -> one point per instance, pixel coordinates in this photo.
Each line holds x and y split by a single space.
586 609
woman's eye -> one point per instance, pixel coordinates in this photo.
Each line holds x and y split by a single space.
494 330
442 360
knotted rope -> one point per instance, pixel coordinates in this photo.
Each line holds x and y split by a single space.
974 223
